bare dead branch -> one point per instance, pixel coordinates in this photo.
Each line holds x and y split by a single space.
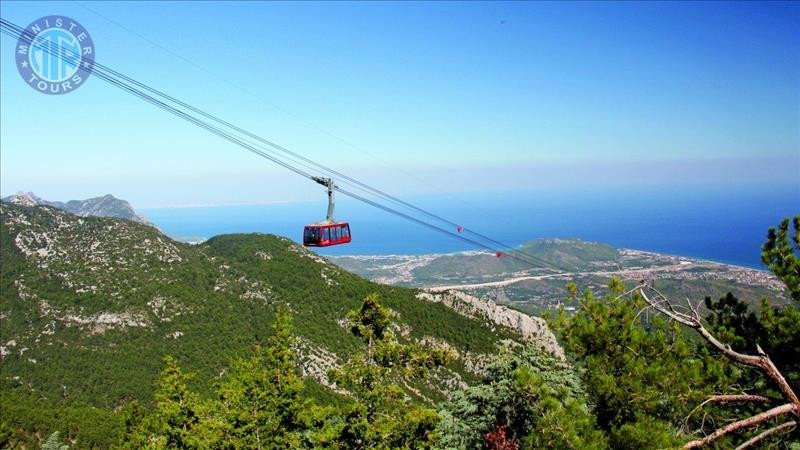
669 311
735 398
689 304
761 361
664 300
628 292
725 398
760 437
660 303
742 424
636 317
694 309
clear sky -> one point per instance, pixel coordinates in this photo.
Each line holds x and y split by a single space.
413 97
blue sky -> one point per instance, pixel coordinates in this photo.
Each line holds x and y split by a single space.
414 98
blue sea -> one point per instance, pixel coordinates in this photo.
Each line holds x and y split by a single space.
721 224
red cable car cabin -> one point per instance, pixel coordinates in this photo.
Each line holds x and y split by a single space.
328 232
323 235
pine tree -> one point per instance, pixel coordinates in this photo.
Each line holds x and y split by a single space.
630 365
262 397
780 254
180 419
383 416
528 399
776 330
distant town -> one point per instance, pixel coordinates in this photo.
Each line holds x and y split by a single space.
481 273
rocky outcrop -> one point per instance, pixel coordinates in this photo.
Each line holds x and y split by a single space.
105 206
25 199
532 329
316 362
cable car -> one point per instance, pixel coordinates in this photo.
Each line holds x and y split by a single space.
329 231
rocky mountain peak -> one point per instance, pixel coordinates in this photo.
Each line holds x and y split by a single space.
105 206
24 199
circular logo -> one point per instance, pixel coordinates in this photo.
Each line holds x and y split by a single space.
55 55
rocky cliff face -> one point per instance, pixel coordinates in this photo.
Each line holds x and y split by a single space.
105 206
530 328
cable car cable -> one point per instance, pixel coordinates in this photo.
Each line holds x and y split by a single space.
188 117
18 32
338 174
285 111
240 142
423 223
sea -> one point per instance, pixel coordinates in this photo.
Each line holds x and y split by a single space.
717 223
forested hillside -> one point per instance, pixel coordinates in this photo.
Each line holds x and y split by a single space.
113 335
90 306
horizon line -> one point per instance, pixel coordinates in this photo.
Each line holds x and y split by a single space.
219 204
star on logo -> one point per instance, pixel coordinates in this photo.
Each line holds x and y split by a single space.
24 64
86 64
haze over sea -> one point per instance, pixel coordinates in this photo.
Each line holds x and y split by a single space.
715 223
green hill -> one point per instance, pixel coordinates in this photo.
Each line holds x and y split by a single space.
89 306
561 254
571 254
548 256
539 287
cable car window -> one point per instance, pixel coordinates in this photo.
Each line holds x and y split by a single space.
326 235
335 233
310 235
345 231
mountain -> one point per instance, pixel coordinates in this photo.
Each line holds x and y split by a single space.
89 306
542 286
105 206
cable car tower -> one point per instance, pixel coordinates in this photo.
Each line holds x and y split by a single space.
329 231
